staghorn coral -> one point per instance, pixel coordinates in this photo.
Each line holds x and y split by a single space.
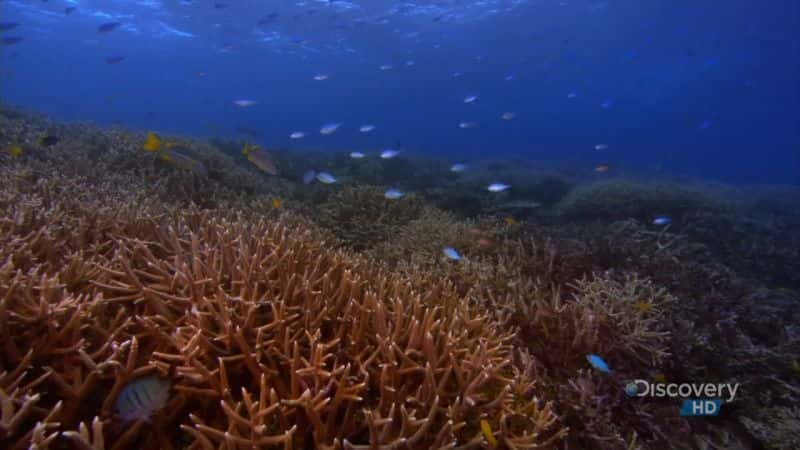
362 217
269 339
420 242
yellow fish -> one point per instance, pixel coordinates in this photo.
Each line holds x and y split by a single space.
178 159
259 158
486 429
510 221
276 203
14 150
644 306
152 143
171 153
795 367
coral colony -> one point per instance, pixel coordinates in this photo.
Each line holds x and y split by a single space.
145 304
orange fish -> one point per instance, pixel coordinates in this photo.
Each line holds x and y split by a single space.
277 203
260 159
602 168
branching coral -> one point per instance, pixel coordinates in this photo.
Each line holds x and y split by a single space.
618 199
362 217
268 338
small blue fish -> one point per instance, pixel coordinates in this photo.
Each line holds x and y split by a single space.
393 194
308 177
451 253
662 220
467 125
357 155
366 128
325 177
297 135
142 397
498 187
572 94
458 167
329 128
607 104
470 98
598 363
108 27
389 153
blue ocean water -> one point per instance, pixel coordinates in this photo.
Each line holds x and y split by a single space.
703 88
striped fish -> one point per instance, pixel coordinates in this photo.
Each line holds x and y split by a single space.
142 397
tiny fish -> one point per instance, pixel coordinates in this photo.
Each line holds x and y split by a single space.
309 176
510 77
457 74
389 153
325 177
393 194
260 159
11 40
508 115
498 187
451 253
244 103
572 94
486 429
174 156
385 67
108 27
465 125
602 168
114 59
410 63
14 150
366 128
458 167
662 220
297 135
598 363
470 98
706 124
321 77
329 128
357 155
142 397
277 203
601 146
48 140
607 104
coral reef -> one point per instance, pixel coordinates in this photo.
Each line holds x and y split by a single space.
361 216
327 316
621 199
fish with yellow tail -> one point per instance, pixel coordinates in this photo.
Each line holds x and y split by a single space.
15 151
174 154
486 429
260 159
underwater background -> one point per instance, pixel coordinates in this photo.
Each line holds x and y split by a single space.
704 88
357 225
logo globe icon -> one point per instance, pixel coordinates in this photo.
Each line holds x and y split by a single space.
631 389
